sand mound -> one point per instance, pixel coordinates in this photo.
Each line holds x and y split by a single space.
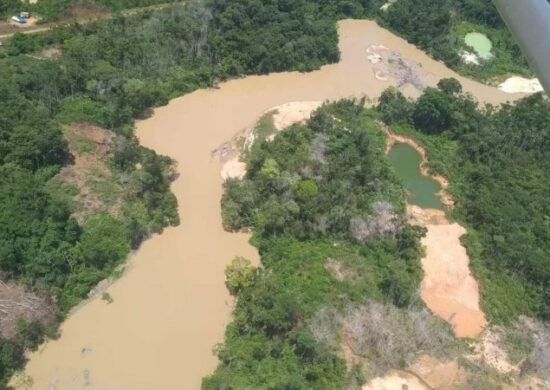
295 112
233 169
469 57
517 84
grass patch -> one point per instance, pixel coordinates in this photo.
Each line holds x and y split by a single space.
84 145
104 185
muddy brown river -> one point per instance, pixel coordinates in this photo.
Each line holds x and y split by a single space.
171 307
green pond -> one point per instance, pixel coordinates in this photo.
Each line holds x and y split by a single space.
422 190
480 43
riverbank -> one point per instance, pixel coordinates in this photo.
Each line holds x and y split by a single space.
172 307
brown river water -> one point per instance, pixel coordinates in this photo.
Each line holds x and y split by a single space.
171 307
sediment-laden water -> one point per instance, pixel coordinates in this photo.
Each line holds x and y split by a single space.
171 307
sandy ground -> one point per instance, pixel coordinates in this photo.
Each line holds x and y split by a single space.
284 116
172 307
396 380
437 374
448 287
287 114
469 57
234 169
490 351
517 84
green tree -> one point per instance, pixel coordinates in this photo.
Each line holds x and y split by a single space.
104 241
450 86
306 190
433 112
239 275
394 106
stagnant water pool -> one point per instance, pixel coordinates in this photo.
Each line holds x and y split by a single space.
480 43
422 190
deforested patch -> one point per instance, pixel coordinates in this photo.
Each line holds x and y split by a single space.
88 173
380 337
382 222
18 304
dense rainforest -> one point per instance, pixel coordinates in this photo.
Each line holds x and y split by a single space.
328 216
439 27
108 72
72 79
335 301
498 164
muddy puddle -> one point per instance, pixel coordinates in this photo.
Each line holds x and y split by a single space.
172 307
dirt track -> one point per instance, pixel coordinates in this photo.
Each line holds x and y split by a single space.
7 30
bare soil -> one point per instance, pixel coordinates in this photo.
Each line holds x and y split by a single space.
396 380
90 148
288 114
234 169
437 374
448 287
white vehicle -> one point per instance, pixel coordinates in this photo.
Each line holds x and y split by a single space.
18 19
